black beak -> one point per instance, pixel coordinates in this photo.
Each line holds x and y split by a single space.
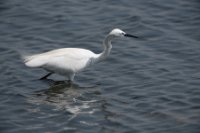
128 35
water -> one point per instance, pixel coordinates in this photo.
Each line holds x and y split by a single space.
145 86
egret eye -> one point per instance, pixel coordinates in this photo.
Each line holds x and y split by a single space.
123 33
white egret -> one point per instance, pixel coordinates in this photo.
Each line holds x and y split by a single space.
69 61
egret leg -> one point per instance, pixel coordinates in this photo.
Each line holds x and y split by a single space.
71 77
44 77
69 82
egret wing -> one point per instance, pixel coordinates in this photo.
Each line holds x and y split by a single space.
73 59
70 59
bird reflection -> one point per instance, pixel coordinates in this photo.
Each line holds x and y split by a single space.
75 101
67 96
60 87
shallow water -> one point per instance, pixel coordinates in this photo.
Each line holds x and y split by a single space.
148 85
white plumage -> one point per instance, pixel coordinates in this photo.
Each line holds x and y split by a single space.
69 61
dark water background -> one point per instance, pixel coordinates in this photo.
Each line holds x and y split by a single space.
145 86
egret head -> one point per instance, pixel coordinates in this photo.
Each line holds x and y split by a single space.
119 33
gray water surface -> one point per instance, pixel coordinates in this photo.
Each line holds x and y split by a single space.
147 85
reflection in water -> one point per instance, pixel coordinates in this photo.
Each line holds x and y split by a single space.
78 105
82 105
69 97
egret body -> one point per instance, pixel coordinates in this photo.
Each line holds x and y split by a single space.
69 61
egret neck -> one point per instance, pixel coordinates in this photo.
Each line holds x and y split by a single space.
107 46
